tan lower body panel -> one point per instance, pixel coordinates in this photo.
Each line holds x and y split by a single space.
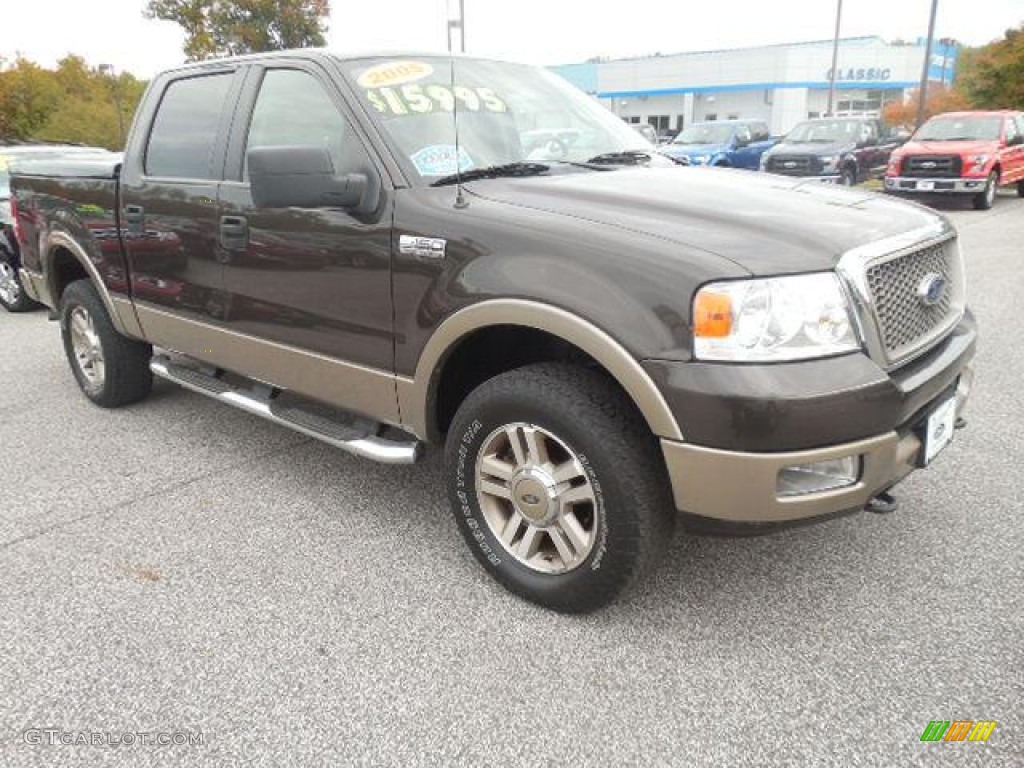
742 487
366 391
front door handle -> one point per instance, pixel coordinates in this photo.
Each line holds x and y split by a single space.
234 233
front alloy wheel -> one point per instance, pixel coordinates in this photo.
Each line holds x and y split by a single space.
536 498
984 200
558 485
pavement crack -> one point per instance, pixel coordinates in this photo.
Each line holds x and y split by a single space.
115 508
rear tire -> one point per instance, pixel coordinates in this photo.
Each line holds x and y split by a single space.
12 293
986 198
1020 189
558 486
847 177
111 370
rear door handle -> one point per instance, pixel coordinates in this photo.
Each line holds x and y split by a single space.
134 218
234 233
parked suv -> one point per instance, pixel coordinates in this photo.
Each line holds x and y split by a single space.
727 143
600 346
842 150
961 153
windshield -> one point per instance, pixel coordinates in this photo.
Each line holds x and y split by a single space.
705 133
960 129
507 113
824 132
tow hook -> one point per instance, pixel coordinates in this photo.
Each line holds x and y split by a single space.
882 504
960 422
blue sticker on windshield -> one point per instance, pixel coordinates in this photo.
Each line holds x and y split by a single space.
439 160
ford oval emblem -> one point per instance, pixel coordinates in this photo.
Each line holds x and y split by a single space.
929 164
931 289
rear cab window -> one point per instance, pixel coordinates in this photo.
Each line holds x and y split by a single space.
181 140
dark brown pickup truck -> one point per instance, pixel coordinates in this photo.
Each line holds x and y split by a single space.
601 345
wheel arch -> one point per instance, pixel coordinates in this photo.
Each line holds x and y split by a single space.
64 261
419 396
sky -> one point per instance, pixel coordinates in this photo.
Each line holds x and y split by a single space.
534 31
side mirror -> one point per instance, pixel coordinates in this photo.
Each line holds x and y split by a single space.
303 177
1016 141
741 141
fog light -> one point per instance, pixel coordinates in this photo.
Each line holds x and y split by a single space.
818 476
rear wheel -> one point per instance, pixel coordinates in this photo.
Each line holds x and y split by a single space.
558 486
12 294
987 197
847 177
1020 189
112 370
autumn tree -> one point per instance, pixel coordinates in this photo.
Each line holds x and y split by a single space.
992 76
74 103
215 28
939 99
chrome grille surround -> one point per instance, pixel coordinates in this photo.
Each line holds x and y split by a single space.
882 279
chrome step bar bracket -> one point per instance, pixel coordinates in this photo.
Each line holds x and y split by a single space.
257 401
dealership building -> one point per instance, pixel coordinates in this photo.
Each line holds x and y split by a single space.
781 84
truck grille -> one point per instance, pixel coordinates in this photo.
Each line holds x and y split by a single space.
932 166
793 165
905 322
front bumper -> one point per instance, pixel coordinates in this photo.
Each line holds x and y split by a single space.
738 438
931 186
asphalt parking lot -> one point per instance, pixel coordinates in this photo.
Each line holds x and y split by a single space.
181 567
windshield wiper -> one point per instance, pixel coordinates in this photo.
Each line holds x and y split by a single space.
494 172
625 157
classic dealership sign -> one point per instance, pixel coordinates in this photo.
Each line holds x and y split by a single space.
860 73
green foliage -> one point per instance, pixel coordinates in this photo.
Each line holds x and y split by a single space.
73 103
215 28
992 76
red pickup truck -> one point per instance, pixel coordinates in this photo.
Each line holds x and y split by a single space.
970 153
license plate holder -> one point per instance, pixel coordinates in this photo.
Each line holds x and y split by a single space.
926 186
936 430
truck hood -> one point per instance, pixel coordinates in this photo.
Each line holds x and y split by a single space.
810 148
766 224
949 148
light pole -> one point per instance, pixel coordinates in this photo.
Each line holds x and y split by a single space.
457 22
922 92
835 60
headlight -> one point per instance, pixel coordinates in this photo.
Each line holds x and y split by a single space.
829 162
700 159
769 320
978 162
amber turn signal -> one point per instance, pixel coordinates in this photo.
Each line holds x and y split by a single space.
712 315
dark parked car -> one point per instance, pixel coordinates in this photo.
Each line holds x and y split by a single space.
600 343
842 150
12 297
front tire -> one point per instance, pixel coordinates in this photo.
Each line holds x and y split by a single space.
1020 189
12 293
558 486
847 177
111 370
985 199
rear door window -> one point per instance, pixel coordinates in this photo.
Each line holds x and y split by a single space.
185 129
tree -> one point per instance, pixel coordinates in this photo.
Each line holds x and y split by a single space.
215 28
940 99
74 103
992 76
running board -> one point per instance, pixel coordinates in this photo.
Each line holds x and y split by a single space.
356 435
